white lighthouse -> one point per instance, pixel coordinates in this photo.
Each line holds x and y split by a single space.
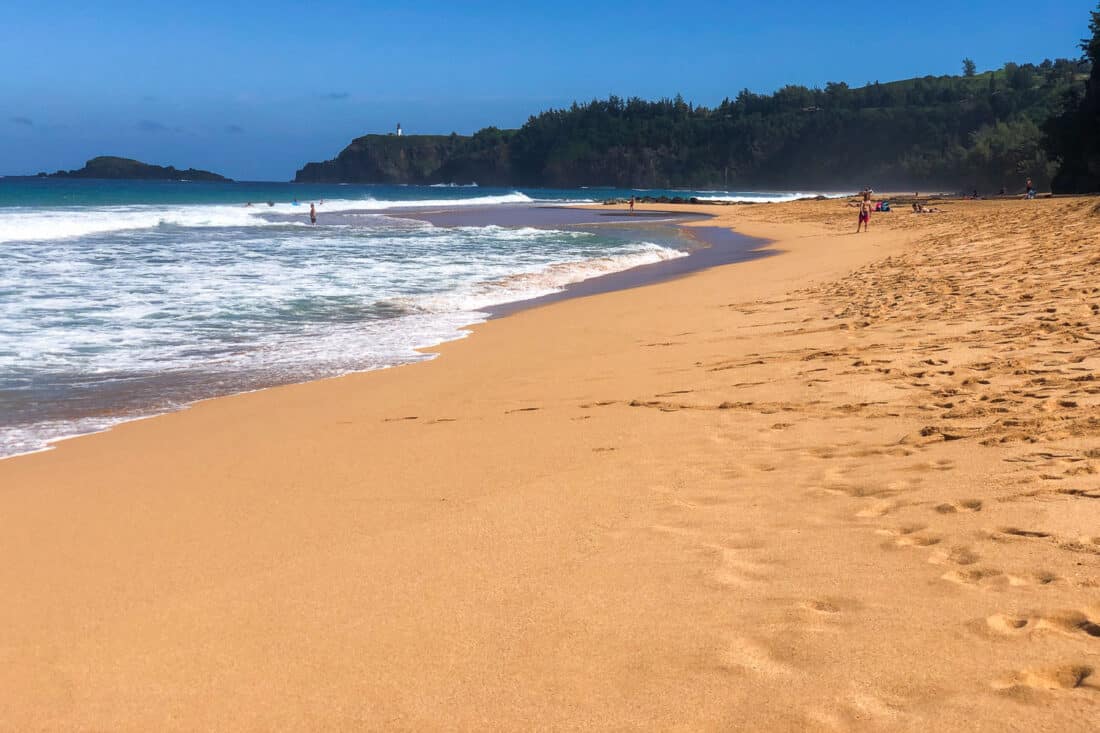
399 133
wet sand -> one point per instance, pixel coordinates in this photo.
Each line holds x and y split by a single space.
707 246
849 487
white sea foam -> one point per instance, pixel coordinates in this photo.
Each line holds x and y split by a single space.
205 305
776 198
374 204
539 281
23 224
29 225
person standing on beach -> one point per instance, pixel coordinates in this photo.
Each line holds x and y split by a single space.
312 214
1030 189
631 204
864 215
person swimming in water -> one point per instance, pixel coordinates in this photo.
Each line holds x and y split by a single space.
312 214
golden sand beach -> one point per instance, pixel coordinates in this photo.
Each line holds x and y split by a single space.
850 487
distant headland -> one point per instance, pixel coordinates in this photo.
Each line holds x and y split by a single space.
107 166
987 132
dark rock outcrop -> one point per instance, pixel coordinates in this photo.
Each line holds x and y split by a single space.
417 159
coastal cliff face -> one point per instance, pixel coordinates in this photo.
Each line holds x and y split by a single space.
111 167
417 159
490 158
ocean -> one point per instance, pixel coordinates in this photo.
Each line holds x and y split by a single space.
124 299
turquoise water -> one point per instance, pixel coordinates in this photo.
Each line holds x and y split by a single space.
124 299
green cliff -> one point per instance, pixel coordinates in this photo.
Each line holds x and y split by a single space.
417 159
970 131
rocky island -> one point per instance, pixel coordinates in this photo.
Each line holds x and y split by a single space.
107 166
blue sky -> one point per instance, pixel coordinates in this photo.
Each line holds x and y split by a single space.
254 90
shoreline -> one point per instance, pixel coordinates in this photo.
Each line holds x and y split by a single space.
718 247
805 492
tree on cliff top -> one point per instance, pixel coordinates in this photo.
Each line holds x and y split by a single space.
1073 138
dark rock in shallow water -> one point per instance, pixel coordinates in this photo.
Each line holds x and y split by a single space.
106 166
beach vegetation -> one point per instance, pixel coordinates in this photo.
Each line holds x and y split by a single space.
1073 136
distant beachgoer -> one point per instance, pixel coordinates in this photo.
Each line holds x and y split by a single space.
1030 189
270 203
312 214
631 204
864 215
248 204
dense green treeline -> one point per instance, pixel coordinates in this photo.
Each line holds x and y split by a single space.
982 131
1073 137
963 132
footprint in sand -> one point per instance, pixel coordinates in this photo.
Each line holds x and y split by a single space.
978 577
827 608
1028 533
910 535
736 570
991 578
879 508
958 555
1007 624
1062 677
962 505
854 711
1070 623
857 491
747 655
1080 493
